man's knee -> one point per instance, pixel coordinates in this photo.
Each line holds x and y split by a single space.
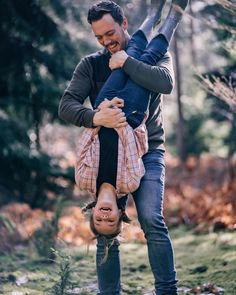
152 223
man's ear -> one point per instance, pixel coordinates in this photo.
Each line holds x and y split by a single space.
125 24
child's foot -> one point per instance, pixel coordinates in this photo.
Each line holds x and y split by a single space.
173 18
154 16
181 3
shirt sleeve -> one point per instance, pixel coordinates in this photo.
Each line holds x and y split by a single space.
71 108
158 78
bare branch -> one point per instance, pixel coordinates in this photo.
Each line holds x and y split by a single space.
221 88
227 5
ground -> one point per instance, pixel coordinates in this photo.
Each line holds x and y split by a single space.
208 259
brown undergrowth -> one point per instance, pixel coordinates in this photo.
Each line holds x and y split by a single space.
200 193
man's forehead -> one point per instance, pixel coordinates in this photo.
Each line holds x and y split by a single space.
105 23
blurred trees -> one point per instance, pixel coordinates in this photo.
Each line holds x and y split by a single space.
207 43
41 43
220 83
37 56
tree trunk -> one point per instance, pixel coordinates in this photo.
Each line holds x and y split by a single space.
180 132
192 31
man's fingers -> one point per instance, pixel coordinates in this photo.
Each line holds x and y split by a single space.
117 101
124 124
122 118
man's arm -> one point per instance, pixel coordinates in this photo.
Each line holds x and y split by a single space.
71 107
158 78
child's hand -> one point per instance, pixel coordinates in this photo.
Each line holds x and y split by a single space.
118 59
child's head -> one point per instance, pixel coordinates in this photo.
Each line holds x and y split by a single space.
106 218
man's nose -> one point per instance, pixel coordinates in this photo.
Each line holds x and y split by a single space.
106 41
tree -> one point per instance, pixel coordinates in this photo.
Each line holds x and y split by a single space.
37 57
221 82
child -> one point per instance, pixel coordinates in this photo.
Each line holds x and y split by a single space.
114 169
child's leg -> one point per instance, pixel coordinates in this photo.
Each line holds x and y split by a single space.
159 44
173 18
136 98
154 16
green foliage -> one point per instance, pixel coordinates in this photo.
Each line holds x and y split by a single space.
29 174
37 57
214 252
44 238
8 235
64 283
197 139
225 33
7 223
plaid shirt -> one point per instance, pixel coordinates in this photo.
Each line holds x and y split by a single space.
132 145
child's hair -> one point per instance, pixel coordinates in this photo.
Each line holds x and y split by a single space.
124 217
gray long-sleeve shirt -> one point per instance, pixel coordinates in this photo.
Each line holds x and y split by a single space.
90 75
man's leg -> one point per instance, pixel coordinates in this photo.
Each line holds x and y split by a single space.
108 272
149 203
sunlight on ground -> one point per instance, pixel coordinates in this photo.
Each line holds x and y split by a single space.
200 259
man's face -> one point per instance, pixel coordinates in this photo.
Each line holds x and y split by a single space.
109 33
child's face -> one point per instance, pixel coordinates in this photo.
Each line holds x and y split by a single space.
106 216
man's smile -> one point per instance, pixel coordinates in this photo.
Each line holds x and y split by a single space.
112 46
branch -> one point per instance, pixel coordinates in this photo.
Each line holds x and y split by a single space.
220 88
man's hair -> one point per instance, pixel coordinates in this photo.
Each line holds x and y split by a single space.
97 11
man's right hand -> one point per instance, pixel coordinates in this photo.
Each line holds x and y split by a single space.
110 114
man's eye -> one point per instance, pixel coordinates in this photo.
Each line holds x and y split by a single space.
110 34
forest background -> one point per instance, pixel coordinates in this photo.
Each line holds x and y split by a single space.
41 43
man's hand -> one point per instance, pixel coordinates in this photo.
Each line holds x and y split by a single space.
116 102
110 114
110 118
118 59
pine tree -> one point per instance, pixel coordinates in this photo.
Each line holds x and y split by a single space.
37 57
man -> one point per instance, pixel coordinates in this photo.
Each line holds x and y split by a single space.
110 28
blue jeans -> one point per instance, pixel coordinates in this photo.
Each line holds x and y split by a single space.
136 97
149 203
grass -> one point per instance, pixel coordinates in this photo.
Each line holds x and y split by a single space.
200 259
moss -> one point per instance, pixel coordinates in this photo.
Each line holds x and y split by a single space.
209 258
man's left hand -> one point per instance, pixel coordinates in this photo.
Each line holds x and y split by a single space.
118 59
